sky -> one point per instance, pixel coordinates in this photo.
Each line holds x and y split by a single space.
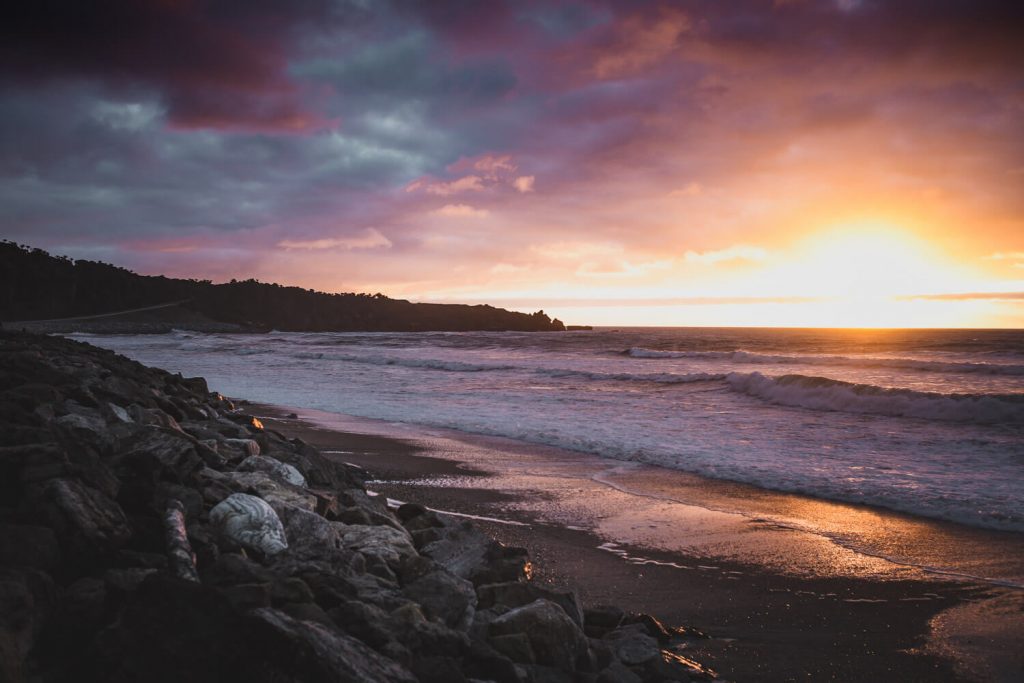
752 162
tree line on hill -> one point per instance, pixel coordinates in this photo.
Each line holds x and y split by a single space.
35 285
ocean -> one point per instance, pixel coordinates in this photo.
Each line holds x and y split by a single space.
928 422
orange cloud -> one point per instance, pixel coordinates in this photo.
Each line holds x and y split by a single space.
460 211
370 239
640 44
523 183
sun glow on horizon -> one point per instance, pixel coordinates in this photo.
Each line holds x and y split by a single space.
854 274
865 274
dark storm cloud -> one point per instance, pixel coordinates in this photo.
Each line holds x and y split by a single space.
216 62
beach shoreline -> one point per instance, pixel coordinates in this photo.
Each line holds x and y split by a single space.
767 622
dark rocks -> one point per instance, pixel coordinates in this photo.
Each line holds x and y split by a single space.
275 468
175 630
468 553
149 532
600 619
382 542
157 453
554 638
444 597
632 646
519 593
87 522
28 545
317 653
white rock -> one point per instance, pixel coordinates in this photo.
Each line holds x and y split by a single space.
251 522
120 413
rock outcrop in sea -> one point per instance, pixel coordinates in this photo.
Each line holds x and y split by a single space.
150 530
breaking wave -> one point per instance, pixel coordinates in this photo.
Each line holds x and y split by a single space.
862 362
560 373
822 393
657 377
425 363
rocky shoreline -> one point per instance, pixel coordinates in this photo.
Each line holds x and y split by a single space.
150 529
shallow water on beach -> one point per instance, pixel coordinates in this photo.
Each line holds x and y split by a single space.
927 422
649 509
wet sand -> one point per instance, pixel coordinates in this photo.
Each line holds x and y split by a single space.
781 582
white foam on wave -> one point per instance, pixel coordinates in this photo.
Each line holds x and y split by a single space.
752 357
822 393
658 377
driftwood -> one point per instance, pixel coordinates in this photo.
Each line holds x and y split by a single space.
179 552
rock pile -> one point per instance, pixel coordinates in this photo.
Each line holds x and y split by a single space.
149 530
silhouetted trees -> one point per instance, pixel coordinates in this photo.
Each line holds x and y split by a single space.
35 285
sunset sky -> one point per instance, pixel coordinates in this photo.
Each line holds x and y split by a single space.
839 162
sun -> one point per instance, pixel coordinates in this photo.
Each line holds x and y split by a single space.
864 274
870 260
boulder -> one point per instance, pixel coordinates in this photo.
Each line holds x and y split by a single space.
519 593
617 672
248 447
26 599
515 646
421 636
555 639
444 597
600 619
317 653
85 521
307 530
88 427
275 468
632 646
251 522
231 569
155 453
25 545
273 491
462 550
175 630
384 542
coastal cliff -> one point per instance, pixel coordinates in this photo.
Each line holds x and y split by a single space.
152 530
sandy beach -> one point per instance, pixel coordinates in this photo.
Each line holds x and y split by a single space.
780 601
